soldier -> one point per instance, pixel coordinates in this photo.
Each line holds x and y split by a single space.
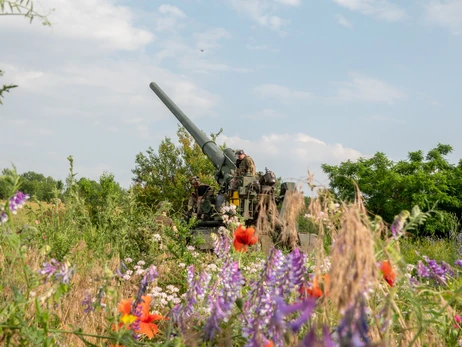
200 191
244 164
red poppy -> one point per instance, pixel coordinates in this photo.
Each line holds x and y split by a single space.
316 291
146 326
388 274
244 237
145 320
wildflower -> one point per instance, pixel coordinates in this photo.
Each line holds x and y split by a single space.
17 201
87 302
142 321
283 309
311 339
60 271
149 277
458 262
398 224
316 291
125 307
388 274
222 304
422 270
222 244
65 273
458 320
244 237
3 217
146 325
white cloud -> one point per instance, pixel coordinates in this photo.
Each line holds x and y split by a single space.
362 88
197 57
211 38
343 21
263 11
289 2
173 10
290 156
381 9
261 48
447 14
380 118
112 26
98 85
169 17
276 91
266 113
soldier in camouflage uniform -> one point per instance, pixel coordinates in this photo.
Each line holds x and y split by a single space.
201 191
245 166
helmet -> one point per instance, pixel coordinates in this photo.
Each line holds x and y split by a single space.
240 151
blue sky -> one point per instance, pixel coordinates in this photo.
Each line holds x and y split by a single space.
295 83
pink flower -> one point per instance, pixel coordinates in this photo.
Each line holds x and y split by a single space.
458 320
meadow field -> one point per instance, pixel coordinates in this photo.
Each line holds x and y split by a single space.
137 278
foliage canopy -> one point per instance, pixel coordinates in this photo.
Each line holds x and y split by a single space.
163 175
389 187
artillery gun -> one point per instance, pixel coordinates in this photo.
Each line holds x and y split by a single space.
255 197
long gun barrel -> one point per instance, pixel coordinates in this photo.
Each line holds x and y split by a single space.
222 160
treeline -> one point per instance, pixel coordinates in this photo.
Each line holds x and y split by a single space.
35 184
388 187
42 188
428 180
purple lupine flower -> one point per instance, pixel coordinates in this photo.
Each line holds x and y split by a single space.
222 244
447 268
195 293
17 201
458 262
297 269
3 217
64 273
422 270
60 271
87 302
260 305
437 272
136 311
398 224
311 340
283 309
49 268
231 283
353 329
149 276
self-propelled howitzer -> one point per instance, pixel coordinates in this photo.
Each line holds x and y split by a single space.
223 161
253 196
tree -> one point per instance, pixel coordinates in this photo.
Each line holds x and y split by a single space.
40 187
389 187
163 175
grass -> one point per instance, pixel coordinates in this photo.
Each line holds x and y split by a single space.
439 249
38 312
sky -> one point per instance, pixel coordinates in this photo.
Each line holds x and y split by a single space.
295 83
